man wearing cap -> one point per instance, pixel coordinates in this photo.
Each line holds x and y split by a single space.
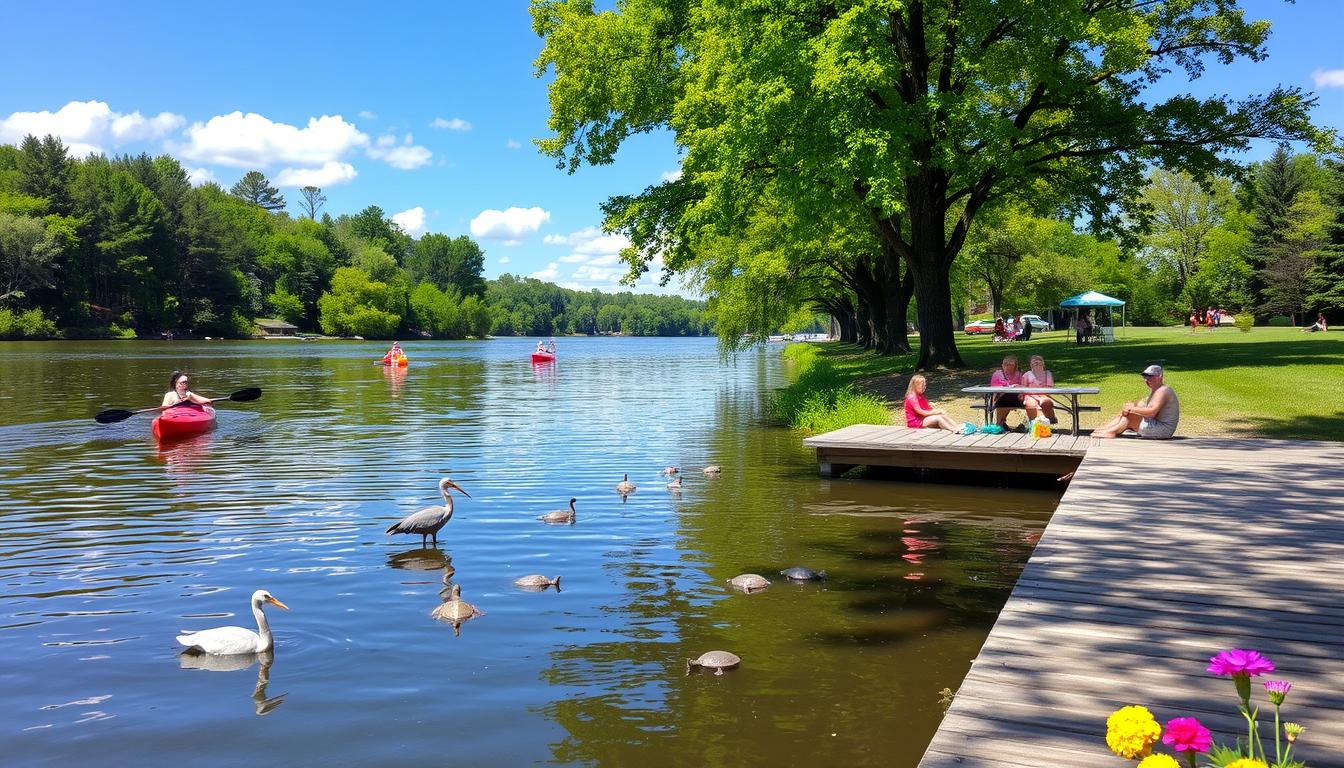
1156 419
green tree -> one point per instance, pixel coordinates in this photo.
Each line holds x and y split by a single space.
313 200
452 264
44 171
357 305
255 188
27 256
1327 271
920 113
1183 215
1286 276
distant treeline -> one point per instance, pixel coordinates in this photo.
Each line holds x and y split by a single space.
126 246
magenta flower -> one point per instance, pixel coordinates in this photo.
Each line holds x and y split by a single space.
1239 662
1187 734
1277 690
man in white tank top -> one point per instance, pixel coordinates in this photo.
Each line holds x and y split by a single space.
1155 419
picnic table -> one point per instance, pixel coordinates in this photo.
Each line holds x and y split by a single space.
1059 394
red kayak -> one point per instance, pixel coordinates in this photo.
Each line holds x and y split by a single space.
543 357
184 421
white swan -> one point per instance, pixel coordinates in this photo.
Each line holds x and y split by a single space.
225 641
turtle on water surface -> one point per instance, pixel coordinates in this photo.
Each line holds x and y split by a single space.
456 610
801 573
715 660
538 582
749 582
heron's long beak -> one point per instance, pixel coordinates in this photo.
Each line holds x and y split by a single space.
459 489
277 602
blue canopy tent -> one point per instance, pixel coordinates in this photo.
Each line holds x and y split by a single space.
1094 299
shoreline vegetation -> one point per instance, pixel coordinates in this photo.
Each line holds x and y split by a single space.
1265 382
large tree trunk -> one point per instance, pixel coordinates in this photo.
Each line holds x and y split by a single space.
871 294
897 289
937 339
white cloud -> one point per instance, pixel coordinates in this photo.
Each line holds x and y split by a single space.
88 126
548 274
328 175
452 124
1328 78
504 259
254 141
199 176
407 157
412 221
512 144
509 225
671 175
367 115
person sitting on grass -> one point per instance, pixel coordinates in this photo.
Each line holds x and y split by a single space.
1155 419
1318 326
919 414
1000 330
1007 376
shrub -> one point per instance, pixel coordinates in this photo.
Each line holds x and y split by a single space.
1244 322
29 324
1279 321
819 400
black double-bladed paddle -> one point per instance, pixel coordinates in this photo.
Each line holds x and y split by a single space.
113 415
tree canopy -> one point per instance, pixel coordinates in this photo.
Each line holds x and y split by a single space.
913 116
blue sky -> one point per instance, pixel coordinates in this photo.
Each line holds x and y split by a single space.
427 110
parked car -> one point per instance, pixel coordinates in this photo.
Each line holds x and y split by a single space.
980 326
1037 324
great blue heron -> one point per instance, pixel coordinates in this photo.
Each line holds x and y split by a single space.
429 520
625 486
224 641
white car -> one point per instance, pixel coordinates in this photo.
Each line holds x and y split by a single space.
1037 324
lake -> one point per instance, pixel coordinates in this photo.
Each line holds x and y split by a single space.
110 545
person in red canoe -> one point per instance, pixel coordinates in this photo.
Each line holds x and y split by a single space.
180 394
392 354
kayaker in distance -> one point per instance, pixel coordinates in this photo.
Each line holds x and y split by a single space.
179 394
392 354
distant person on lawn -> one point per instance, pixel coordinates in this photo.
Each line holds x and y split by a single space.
1155 419
919 414
1319 325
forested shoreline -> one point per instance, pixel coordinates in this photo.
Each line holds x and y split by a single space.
127 247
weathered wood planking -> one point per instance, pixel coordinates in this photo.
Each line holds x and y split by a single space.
1160 555
889 446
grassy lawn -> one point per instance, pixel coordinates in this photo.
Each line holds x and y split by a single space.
1269 382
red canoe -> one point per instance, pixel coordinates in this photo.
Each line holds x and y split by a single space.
543 357
184 421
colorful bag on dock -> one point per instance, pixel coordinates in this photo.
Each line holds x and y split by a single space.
1040 427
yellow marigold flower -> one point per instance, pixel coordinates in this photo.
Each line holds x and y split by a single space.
1159 761
1246 762
1131 731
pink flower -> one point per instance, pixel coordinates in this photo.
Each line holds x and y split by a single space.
1277 690
1239 662
1187 734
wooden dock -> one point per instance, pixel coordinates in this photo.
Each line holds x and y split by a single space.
1160 555
888 446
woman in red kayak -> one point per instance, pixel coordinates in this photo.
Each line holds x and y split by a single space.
179 394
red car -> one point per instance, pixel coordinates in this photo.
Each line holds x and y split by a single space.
980 326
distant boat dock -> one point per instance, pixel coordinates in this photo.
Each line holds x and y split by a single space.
1160 555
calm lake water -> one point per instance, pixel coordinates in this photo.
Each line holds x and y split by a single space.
111 544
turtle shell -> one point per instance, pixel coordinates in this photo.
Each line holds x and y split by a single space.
715 660
800 573
749 582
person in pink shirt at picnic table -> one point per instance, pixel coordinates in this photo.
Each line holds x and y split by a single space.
1038 376
919 414
1006 376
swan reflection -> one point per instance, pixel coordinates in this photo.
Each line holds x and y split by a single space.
237 663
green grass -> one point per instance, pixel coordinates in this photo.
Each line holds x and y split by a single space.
1269 382
821 398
